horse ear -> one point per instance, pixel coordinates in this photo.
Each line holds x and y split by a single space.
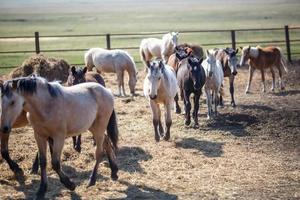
84 70
207 53
73 70
236 51
148 64
249 48
241 48
201 60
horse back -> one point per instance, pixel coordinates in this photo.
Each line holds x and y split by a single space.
268 57
94 77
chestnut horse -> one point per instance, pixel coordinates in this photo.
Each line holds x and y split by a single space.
56 112
229 62
261 59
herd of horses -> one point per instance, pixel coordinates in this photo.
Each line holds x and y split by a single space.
173 70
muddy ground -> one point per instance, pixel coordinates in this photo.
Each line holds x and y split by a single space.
251 151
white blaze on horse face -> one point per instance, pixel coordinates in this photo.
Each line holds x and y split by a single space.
154 77
232 62
211 61
12 107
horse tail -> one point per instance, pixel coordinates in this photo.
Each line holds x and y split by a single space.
283 60
112 130
88 60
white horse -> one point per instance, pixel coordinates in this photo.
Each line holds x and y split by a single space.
56 112
113 61
159 48
160 87
214 79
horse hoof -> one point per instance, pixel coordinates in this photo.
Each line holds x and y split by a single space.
114 177
233 104
34 171
78 149
187 122
166 138
157 138
247 92
91 183
196 126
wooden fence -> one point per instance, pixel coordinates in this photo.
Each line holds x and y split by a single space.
109 38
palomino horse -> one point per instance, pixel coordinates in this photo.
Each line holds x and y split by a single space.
56 112
191 78
261 59
214 79
77 76
159 48
113 61
160 87
229 62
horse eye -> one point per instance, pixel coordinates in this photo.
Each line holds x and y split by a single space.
12 103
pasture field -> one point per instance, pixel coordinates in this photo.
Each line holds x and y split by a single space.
53 17
248 152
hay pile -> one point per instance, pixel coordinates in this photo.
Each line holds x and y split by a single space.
50 68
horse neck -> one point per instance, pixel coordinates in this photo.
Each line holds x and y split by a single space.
254 52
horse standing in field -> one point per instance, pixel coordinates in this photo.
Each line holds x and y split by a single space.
113 61
261 59
160 87
56 112
191 78
159 48
229 62
77 76
214 79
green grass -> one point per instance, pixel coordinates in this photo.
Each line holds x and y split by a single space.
64 18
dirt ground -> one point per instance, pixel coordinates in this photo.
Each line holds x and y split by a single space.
248 152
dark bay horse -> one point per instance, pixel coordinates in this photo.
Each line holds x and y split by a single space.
56 112
77 76
191 78
229 62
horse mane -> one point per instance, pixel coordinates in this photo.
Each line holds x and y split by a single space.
28 85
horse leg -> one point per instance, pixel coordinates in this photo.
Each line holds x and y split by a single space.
208 102
196 109
120 80
58 144
155 119
5 155
42 146
35 165
188 106
273 79
168 120
111 158
251 71
160 127
122 84
263 80
231 90
178 109
221 103
77 143
98 133
216 97
282 87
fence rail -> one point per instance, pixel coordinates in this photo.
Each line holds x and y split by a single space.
108 38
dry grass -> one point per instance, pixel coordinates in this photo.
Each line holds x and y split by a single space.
248 152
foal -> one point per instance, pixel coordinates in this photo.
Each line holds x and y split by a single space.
190 78
261 59
229 62
160 87
78 76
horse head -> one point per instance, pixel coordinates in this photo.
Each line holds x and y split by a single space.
245 54
155 74
194 67
232 60
76 76
182 52
12 105
211 62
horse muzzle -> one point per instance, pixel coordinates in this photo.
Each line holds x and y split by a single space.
210 74
234 73
5 129
153 97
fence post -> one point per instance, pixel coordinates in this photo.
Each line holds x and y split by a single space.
233 43
287 42
108 41
37 42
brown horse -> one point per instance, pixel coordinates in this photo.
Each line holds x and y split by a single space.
261 59
197 51
229 62
56 112
77 76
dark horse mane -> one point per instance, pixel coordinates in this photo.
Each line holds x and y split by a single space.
28 86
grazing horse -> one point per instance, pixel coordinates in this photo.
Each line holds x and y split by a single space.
229 62
191 78
261 59
160 87
56 112
214 79
159 48
113 61
78 76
